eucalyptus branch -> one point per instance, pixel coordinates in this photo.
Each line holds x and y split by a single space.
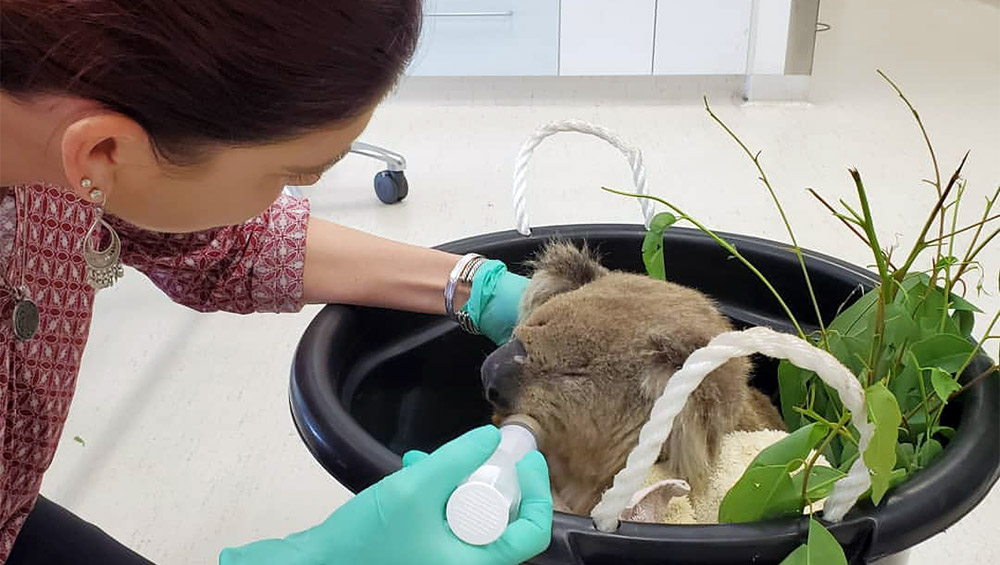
972 382
969 258
979 345
948 281
755 157
920 124
921 243
844 431
725 245
885 288
968 361
930 149
990 201
816 454
967 228
843 220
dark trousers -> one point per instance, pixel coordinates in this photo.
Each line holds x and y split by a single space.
53 535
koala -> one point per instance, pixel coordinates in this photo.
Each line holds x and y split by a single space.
593 351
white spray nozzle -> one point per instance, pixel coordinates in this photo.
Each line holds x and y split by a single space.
480 509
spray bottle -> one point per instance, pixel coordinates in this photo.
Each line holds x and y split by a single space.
482 506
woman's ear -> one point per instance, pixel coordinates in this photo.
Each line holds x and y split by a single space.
97 147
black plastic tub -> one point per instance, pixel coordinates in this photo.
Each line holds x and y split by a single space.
368 385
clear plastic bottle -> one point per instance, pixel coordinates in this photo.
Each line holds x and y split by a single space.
482 506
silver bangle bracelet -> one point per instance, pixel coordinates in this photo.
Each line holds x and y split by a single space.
463 272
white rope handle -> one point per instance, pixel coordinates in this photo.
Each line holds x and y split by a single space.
633 155
697 366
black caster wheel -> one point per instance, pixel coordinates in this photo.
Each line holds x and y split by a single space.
391 186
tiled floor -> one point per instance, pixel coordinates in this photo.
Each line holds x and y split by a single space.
189 443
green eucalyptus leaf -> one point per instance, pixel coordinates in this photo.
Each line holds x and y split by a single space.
918 423
962 305
945 262
904 385
905 455
795 446
655 264
929 310
944 384
798 557
946 432
928 452
821 548
761 493
848 456
899 325
792 392
652 245
895 478
943 351
883 411
852 350
821 481
965 320
857 316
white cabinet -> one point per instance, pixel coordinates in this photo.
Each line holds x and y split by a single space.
703 37
601 37
611 37
488 38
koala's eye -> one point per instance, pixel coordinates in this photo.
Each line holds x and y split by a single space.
537 322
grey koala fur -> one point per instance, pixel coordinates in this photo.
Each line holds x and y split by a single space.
598 349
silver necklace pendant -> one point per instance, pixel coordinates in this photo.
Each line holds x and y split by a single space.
104 266
25 318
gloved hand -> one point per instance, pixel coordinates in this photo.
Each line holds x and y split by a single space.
494 300
401 519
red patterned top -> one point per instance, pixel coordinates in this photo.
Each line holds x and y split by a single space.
256 266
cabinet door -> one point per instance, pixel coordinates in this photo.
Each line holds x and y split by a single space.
488 38
702 37
598 37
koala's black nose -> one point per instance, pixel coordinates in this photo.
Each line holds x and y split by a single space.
500 373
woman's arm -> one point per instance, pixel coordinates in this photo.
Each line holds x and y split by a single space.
347 266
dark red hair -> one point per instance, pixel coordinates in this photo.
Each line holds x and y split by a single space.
207 72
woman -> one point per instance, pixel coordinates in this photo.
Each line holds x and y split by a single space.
160 134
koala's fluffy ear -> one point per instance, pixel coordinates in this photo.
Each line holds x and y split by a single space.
698 429
560 267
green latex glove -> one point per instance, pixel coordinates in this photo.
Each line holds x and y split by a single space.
494 300
401 519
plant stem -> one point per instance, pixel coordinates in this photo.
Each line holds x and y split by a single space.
972 382
948 281
930 148
839 216
967 228
920 123
755 157
886 287
979 345
843 430
869 226
972 255
816 453
921 243
923 401
968 361
990 201
725 245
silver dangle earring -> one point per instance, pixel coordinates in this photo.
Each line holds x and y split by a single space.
104 266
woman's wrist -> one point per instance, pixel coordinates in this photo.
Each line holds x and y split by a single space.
464 273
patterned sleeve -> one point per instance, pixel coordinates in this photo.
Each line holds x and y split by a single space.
253 267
